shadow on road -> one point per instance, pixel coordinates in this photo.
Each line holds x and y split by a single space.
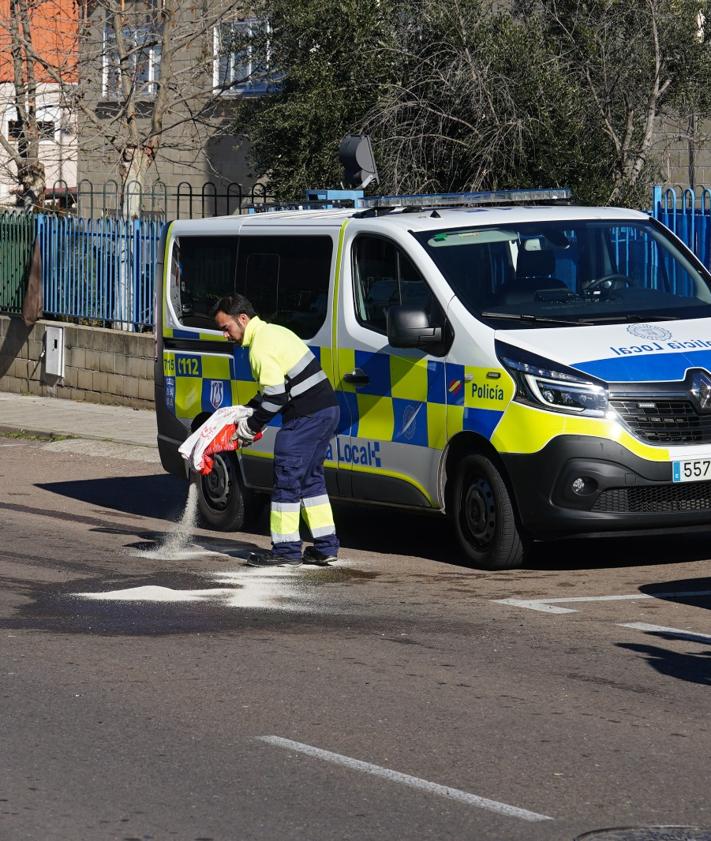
611 552
693 667
394 531
161 496
691 591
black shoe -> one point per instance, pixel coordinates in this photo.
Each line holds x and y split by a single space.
320 559
269 559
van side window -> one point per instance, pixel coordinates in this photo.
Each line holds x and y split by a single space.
203 271
384 275
287 278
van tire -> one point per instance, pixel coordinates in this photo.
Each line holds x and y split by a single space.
223 501
484 517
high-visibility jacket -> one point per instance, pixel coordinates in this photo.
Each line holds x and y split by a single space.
289 377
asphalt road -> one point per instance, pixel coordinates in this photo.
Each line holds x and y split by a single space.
398 695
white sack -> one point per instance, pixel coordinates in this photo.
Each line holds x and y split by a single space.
192 448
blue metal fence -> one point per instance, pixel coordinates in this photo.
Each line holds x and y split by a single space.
97 271
101 270
687 212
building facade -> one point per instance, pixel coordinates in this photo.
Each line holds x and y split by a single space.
38 82
160 81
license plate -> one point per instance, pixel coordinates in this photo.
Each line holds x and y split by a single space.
691 470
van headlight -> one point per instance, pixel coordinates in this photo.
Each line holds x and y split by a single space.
540 382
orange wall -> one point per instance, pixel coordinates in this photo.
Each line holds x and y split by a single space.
54 30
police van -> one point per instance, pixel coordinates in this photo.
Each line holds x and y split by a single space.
530 368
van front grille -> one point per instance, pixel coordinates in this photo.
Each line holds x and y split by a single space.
660 499
661 421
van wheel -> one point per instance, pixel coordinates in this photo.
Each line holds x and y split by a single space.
483 516
223 501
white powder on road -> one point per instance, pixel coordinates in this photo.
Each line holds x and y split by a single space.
252 589
175 546
247 587
155 594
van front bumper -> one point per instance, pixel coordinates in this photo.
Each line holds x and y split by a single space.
616 490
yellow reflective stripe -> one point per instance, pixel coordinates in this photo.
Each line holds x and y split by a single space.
318 517
346 363
337 293
284 525
379 471
167 332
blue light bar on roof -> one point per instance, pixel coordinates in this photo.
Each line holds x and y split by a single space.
460 199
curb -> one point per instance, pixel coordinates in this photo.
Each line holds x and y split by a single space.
34 433
43 435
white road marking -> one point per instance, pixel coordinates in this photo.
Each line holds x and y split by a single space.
406 779
551 605
691 636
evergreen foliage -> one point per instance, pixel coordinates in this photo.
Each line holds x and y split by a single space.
476 94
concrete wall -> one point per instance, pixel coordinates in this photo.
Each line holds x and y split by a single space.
100 366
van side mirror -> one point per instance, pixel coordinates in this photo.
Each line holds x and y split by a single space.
410 327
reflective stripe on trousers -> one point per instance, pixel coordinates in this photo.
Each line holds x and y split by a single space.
300 486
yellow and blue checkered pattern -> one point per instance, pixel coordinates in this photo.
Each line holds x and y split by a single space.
421 402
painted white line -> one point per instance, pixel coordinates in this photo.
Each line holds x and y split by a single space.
691 636
406 779
551 605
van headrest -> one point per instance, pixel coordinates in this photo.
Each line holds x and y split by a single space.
535 263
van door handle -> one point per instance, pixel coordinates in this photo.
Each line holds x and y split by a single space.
357 376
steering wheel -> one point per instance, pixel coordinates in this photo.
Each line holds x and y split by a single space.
608 282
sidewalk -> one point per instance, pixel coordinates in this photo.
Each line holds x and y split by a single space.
52 416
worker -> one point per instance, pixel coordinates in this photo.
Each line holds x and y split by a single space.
291 381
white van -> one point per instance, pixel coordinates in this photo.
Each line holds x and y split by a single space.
532 369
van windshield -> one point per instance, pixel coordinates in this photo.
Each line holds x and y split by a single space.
569 272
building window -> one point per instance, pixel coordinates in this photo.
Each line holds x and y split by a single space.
241 64
142 47
45 129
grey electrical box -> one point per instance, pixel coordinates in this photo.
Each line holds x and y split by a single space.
54 351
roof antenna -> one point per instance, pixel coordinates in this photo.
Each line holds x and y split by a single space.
435 215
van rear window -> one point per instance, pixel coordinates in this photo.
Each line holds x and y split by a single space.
203 272
285 277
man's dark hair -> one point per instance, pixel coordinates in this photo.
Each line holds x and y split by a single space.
233 305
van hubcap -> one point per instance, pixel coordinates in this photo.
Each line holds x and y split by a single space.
216 485
479 510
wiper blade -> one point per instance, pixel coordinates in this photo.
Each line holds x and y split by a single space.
524 316
627 317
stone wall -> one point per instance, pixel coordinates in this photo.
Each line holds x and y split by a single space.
100 366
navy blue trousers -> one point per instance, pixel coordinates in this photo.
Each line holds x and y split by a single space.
300 486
